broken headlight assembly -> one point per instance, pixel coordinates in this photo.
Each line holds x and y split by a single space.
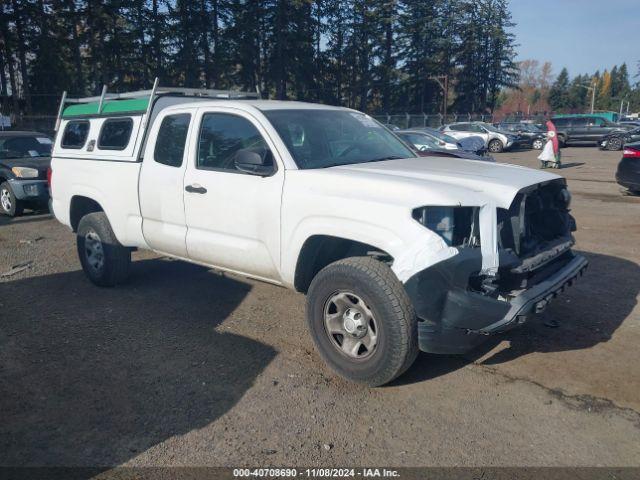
457 226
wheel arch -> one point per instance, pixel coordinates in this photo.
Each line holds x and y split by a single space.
320 250
80 206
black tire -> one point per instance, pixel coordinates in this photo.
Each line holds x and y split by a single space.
495 146
116 259
12 207
614 144
387 300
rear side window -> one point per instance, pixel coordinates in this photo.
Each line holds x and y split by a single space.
459 127
172 136
560 122
75 134
115 134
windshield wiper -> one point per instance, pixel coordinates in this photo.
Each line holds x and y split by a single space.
381 159
388 157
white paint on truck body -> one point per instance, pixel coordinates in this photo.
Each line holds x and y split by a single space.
257 226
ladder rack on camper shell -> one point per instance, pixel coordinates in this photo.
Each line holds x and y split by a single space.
139 102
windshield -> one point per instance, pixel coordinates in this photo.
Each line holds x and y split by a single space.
327 138
442 136
25 146
491 128
420 141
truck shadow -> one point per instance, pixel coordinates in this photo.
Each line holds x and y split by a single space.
94 377
588 314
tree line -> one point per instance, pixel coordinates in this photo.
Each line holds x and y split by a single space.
540 92
609 90
373 55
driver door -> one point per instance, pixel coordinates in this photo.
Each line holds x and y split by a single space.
232 217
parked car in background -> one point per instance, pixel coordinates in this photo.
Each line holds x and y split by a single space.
495 140
442 139
25 158
616 140
581 129
449 143
628 173
529 135
610 116
425 145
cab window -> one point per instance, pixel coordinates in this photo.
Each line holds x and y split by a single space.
172 136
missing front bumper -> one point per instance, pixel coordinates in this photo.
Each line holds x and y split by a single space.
454 319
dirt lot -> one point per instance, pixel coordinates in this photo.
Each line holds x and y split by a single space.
185 366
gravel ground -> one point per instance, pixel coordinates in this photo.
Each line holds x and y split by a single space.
186 366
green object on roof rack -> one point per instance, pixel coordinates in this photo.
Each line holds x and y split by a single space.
108 107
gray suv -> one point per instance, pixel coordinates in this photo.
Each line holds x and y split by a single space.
574 130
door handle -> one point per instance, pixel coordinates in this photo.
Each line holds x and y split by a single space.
195 188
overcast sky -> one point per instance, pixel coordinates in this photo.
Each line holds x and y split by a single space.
582 35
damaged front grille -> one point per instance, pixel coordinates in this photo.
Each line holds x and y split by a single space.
538 220
534 239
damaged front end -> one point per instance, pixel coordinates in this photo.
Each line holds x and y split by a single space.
510 263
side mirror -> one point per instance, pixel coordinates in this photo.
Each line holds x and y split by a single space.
255 161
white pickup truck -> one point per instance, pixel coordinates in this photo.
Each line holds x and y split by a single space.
396 253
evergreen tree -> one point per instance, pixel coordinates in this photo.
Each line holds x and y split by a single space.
373 55
559 92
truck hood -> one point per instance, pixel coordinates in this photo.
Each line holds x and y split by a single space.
440 180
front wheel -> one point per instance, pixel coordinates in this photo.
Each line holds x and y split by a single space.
496 146
9 204
362 321
104 260
614 143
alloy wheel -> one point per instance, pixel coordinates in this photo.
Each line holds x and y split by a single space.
614 144
5 200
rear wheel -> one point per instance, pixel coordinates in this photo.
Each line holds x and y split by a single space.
104 260
362 321
496 146
538 144
9 204
614 143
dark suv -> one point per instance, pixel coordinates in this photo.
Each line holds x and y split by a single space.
584 129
